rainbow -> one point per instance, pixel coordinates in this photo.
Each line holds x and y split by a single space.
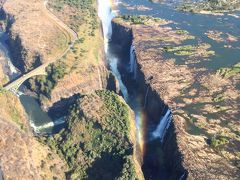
141 124
140 115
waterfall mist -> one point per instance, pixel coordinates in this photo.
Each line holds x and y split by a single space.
133 62
163 125
106 15
38 129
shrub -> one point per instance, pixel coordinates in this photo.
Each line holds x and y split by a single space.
99 142
218 140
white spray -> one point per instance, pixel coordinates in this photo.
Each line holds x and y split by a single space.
38 129
12 71
146 96
113 65
163 126
106 15
133 62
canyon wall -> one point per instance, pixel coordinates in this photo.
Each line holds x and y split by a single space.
155 106
41 40
162 83
18 52
65 93
34 37
121 35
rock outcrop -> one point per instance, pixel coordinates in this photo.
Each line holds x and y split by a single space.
21 155
190 143
39 40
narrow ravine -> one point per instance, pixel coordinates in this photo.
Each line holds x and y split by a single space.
150 135
39 120
9 69
106 14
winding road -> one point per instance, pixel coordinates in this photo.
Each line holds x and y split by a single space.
40 70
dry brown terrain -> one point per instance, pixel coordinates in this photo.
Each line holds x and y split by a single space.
3 77
37 31
205 105
85 66
22 157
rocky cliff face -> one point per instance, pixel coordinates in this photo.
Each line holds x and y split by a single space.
17 50
121 35
95 78
189 150
21 155
40 39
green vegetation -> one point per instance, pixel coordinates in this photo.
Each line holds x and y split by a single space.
217 141
12 110
210 5
188 50
77 12
141 19
219 98
229 72
180 50
96 143
43 85
182 32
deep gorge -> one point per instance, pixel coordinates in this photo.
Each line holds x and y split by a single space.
148 107
146 103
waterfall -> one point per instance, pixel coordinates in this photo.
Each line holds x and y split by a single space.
106 15
18 93
145 99
10 69
37 129
182 176
113 65
163 125
133 62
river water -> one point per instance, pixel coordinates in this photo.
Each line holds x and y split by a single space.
150 135
39 120
196 24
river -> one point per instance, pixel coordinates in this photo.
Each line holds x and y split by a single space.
39 120
197 25
150 134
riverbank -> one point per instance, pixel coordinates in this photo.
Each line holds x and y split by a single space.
164 81
218 7
59 75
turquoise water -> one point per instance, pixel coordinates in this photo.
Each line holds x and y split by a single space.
39 120
196 25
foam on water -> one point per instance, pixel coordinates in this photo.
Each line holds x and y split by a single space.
38 129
